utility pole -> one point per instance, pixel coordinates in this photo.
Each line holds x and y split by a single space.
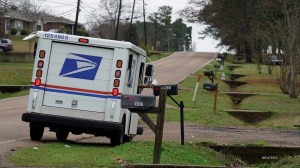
119 14
129 39
76 20
145 30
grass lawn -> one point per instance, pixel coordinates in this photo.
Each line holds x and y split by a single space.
162 54
15 73
75 155
21 46
269 99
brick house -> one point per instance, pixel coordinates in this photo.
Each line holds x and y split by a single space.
59 23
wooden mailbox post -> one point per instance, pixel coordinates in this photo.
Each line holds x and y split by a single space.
142 111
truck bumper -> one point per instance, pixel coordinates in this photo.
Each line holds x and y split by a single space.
77 125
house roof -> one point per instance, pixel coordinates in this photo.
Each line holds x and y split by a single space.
17 15
54 19
34 17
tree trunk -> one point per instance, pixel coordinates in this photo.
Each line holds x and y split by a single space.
248 52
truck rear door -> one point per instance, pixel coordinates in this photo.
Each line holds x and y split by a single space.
78 77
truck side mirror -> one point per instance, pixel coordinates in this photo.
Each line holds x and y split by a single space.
149 70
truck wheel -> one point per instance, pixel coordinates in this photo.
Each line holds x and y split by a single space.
36 131
117 140
127 138
62 134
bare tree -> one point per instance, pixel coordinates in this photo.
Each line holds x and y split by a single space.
105 18
285 24
26 6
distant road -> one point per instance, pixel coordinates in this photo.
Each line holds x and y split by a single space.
14 133
175 68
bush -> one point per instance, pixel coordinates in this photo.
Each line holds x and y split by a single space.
13 31
144 47
24 32
81 32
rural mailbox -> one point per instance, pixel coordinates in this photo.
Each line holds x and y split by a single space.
134 101
210 86
209 73
171 89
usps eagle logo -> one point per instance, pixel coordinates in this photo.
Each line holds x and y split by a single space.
80 66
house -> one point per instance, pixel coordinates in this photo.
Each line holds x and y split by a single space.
32 22
20 21
59 23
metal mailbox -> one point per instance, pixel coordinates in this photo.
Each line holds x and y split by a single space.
171 89
210 86
209 73
136 101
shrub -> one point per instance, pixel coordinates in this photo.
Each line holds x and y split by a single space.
13 31
81 32
24 32
144 47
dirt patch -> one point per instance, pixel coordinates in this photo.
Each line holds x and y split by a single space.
226 135
262 80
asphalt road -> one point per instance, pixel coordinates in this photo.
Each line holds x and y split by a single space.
15 134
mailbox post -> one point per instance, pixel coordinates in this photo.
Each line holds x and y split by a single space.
211 86
133 103
173 90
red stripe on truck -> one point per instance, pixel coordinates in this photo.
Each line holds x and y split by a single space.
75 89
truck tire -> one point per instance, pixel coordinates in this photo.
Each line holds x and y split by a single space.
127 138
36 131
117 140
62 134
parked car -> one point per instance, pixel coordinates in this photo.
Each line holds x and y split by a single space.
275 60
6 45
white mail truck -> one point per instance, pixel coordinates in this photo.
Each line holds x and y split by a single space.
77 83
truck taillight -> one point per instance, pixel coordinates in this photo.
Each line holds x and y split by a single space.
118 74
116 83
115 91
42 54
119 64
37 82
40 64
39 73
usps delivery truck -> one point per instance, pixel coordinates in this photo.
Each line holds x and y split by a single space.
77 84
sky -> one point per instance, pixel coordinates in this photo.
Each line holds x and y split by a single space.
67 9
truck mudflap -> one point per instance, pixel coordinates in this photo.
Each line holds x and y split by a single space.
74 124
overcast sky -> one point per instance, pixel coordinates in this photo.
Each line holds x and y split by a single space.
67 8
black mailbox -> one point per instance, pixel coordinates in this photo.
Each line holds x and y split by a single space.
217 66
209 73
210 86
171 89
136 101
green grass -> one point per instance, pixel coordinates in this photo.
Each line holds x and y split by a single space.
58 155
270 99
9 95
162 54
15 73
22 46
